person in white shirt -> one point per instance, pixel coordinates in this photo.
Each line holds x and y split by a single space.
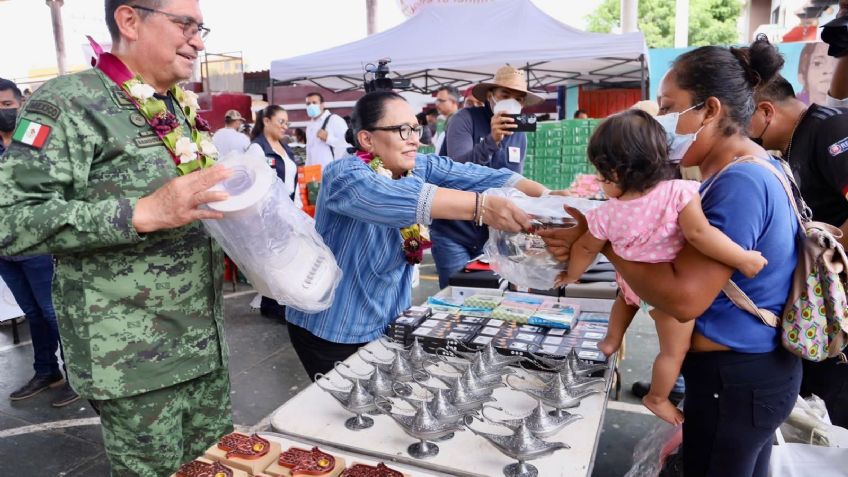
447 103
325 134
229 138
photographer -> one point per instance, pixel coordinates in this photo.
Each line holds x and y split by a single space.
481 136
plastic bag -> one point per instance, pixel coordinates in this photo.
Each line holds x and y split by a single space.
809 424
522 258
652 451
803 460
274 243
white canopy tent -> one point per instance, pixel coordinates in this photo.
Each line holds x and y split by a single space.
465 44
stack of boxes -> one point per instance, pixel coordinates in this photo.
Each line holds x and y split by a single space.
556 152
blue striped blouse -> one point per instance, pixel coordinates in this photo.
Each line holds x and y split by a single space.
359 215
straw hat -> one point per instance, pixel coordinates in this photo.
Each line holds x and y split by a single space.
509 78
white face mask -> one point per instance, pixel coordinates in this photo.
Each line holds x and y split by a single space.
508 106
678 144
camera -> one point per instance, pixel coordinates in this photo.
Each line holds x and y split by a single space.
379 78
525 122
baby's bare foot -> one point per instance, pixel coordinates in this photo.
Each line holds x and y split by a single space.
663 409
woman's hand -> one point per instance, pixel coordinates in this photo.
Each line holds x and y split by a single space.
500 213
559 241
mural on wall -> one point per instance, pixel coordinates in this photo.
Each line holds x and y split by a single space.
815 70
806 66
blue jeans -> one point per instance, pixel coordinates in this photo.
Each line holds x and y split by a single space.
450 257
30 280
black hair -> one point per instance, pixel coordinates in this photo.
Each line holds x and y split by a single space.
452 92
730 75
300 135
579 112
630 149
112 5
431 112
6 85
777 90
259 125
367 112
319 95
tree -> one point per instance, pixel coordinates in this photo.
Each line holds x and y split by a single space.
711 22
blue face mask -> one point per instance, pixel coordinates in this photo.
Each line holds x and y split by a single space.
678 144
313 110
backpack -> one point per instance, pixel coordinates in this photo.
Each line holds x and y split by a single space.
814 322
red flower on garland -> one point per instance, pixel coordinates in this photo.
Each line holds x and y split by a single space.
413 249
163 123
202 124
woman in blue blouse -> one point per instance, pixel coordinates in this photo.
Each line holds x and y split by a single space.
741 384
360 211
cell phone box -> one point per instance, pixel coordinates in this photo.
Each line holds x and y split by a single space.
450 335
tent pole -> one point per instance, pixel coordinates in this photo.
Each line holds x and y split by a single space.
643 81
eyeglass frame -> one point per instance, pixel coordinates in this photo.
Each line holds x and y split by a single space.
399 128
186 22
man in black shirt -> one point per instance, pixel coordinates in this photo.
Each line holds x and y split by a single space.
814 141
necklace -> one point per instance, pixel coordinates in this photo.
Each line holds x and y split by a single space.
797 123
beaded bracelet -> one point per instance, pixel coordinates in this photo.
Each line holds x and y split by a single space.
476 206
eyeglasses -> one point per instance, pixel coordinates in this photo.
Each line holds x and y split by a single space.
405 130
190 26
283 122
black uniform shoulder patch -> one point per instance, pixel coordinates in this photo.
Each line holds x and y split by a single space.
43 108
824 112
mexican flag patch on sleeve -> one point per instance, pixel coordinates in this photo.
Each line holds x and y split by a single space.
31 133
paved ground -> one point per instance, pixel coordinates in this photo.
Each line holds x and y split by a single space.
38 440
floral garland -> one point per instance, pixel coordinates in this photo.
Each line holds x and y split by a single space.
192 152
415 237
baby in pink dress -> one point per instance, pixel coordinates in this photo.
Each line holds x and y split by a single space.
648 218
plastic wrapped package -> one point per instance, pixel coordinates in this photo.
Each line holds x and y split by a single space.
809 423
274 244
522 258
654 450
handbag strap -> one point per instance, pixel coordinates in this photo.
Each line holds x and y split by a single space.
731 289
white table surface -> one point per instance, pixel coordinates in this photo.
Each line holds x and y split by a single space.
315 416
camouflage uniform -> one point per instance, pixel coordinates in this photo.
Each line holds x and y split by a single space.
141 317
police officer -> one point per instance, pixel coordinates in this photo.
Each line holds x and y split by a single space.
138 282
814 141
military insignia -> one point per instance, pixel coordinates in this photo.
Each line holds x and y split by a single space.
147 141
137 119
31 133
838 147
44 108
121 98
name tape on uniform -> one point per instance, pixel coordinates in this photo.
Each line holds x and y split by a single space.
31 133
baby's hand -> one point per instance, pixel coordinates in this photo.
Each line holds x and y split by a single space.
563 279
752 264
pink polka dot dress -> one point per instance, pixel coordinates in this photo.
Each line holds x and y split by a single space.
644 229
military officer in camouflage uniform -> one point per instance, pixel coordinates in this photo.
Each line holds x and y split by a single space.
138 282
